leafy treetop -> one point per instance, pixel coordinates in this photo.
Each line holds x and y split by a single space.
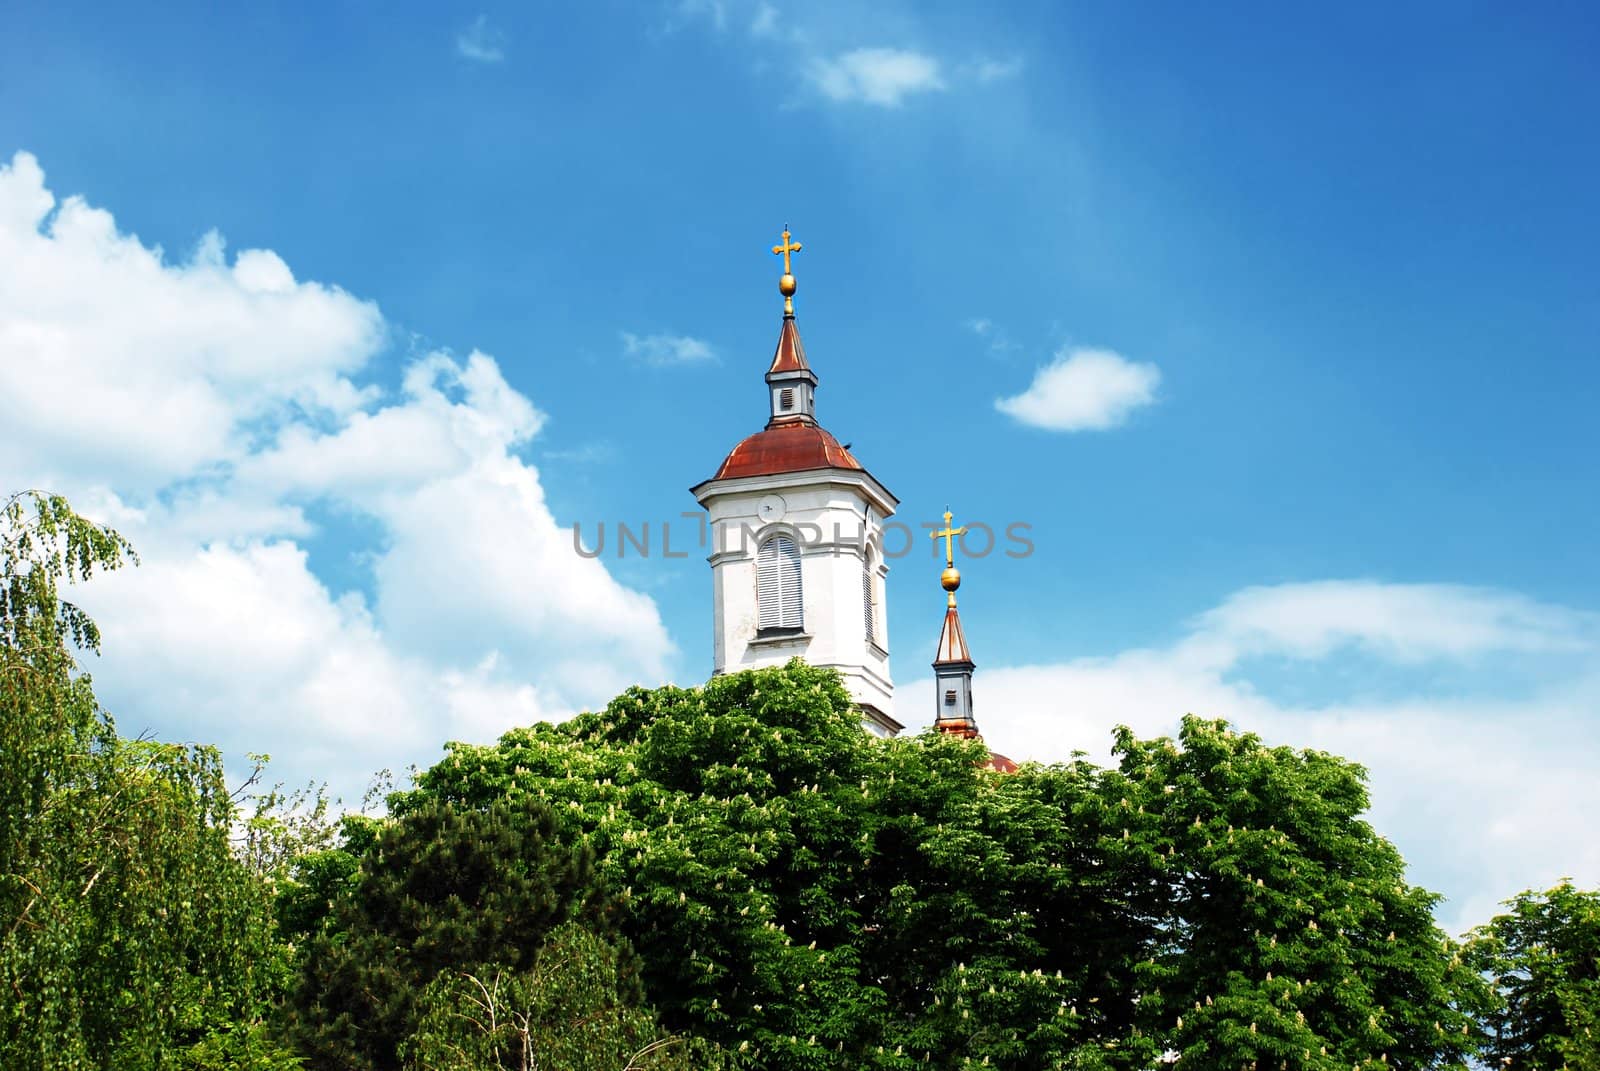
806 894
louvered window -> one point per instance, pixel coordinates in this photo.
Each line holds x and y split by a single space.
778 583
869 611
786 398
950 697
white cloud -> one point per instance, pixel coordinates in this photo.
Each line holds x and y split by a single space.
764 23
996 341
1400 622
663 350
481 42
714 11
989 70
142 372
213 412
589 453
880 76
1484 796
1083 390
826 48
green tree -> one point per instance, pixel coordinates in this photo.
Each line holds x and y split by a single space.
572 1008
1274 925
129 931
444 888
729 821
1543 960
817 898
320 876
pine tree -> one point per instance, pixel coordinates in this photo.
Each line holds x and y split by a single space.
445 888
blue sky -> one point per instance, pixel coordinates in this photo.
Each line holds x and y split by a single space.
1302 307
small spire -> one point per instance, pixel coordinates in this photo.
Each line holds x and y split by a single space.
952 665
952 643
786 282
791 385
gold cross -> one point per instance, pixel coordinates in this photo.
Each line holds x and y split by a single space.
785 249
949 535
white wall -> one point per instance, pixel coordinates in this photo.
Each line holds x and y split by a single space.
826 512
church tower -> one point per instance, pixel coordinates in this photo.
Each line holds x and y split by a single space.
796 527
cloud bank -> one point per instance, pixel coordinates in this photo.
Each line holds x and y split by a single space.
222 414
1485 794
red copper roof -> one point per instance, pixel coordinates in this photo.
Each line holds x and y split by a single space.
790 355
786 448
952 644
968 730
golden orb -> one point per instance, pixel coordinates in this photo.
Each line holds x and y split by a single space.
950 579
787 285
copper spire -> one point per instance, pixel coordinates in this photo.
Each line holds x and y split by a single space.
791 384
790 356
952 643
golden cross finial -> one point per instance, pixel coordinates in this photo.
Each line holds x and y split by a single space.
786 284
949 535
785 249
950 579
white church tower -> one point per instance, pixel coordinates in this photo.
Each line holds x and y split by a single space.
796 527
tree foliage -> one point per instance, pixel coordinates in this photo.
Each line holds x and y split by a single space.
129 931
446 888
1543 959
816 898
1276 926
790 893
574 1008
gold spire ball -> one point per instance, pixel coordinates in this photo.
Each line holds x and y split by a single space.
950 579
786 282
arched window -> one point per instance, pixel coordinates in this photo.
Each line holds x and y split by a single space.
869 595
778 583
